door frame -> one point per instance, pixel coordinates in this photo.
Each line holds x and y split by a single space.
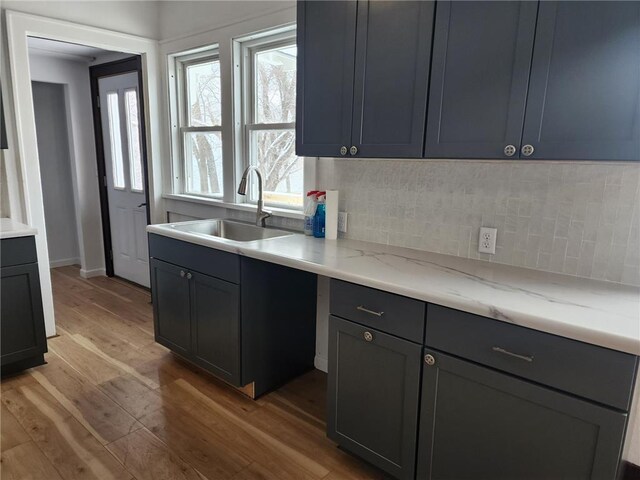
118 67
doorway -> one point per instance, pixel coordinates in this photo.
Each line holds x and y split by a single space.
118 113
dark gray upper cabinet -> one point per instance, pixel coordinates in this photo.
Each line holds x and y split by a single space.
216 326
393 53
481 58
326 48
363 75
373 390
479 423
584 94
171 306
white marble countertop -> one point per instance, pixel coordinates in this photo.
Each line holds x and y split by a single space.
591 311
10 229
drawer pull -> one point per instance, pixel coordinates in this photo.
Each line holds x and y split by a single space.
511 354
368 336
366 310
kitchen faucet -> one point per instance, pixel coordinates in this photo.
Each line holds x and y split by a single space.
261 214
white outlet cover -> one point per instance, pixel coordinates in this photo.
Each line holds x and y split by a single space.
487 240
342 222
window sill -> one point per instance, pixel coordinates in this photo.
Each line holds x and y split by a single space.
246 207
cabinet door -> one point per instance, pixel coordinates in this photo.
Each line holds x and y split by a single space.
481 59
373 393
478 423
326 49
584 96
171 311
22 326
216 326
393 55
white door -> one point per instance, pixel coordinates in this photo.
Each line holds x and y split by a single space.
120 113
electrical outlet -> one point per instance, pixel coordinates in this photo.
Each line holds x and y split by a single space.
487 240
342 222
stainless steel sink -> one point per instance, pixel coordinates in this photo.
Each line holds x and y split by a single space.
230 230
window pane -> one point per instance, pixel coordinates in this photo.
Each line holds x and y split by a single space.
203 162
203 94
133 133
275 85
117 163
273 151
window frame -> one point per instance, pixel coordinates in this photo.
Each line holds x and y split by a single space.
256 44
179 104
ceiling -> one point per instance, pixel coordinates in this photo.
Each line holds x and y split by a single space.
63 49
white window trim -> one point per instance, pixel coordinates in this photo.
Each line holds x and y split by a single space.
244 103
177 64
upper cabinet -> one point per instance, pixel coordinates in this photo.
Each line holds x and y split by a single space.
363 73
480 71
326 53
584 92
504 79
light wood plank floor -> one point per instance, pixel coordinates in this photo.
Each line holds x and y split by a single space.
111 403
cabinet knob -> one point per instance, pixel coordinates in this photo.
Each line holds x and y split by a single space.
429 359
368 336
343 150
189 276
353 150
182 274
527 150
510 150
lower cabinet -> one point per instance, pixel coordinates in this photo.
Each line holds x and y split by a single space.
215 323
478 423
22 333
249 323
373 392
171 306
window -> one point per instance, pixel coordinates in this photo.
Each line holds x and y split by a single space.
200 123
269 103
115 140
133 139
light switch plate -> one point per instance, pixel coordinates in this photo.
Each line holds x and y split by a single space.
487 240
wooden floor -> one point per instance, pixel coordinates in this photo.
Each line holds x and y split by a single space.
111 403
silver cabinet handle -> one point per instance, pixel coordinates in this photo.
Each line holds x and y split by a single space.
510 150
366 310
368 336
353 150
527 150
189 276
343 150
511 354
182 273
429 359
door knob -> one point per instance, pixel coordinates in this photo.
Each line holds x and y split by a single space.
144 204
509 150
353 150
343 150
527 150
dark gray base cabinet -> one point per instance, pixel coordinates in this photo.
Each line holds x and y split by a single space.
373 391
245 321
477 423
22 332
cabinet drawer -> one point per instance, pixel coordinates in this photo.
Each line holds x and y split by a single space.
597 373
223 265
17 251
394 314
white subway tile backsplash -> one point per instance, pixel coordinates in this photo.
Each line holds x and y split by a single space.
575 218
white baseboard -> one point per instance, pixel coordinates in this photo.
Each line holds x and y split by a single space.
64 262
96 272
321 363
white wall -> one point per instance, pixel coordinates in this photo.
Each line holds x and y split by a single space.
185 18
55 166
75 77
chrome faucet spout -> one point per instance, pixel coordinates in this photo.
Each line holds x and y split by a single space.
261 213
